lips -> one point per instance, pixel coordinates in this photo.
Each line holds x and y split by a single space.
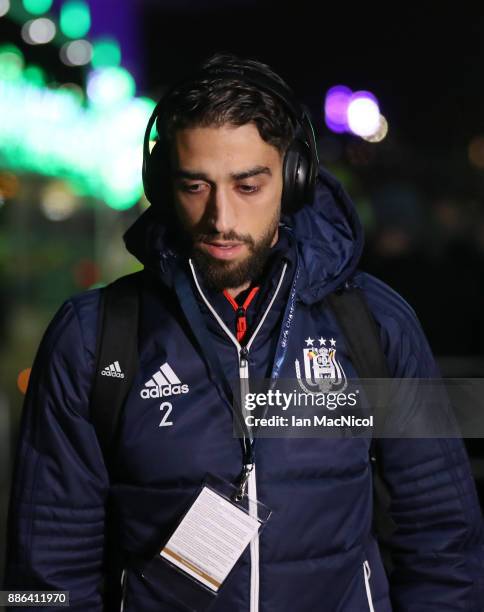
223 250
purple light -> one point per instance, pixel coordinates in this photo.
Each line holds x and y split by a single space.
336 107
364 94
363 113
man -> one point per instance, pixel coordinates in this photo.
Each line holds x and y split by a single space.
234 286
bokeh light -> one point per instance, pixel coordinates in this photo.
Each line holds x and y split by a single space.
476 152
380 133
86 273
356 112
74 90
76 53
4 7
110 86
336 108
95 144
132 115
75 18
9 185
38 31
363 113
23 380
35 75
106 52
11 63
58 202
37 7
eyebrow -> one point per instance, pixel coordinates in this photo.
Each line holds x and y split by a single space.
236 176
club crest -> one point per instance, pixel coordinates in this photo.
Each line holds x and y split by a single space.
321 372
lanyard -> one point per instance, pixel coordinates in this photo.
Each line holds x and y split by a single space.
241 310
193 315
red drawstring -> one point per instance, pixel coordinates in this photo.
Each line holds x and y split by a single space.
241 311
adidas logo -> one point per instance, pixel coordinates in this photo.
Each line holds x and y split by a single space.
113 370
163 382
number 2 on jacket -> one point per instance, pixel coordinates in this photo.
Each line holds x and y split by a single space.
164 421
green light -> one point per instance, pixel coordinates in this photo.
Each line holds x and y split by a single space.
37 7
11 63
11 50
75 18
106 52
35 75
110 86
98 149
73 90
154 133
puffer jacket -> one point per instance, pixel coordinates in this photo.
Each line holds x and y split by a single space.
317 553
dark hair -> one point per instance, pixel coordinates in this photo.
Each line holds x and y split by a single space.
218 100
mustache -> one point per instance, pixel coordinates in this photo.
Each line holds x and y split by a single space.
228 236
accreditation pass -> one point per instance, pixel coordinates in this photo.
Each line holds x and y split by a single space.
210 538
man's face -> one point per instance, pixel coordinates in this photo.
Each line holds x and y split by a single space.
227 192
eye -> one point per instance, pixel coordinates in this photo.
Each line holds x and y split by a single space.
192 187
249 188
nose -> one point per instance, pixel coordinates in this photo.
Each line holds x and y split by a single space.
222 210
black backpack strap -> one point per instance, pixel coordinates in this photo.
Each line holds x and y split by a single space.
364 346
116 359
361 332
362 339
116 367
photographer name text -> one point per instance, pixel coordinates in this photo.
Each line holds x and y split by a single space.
313 421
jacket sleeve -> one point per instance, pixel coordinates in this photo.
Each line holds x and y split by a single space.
59 488
437 547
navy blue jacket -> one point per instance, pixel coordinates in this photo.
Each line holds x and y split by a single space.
317 552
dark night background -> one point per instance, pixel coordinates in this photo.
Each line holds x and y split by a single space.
419 192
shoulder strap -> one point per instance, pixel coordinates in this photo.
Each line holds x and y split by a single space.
362 338
116 359
364 345
361 332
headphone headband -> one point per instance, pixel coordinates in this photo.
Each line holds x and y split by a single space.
303 168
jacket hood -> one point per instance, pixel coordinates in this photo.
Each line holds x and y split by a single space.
328 234
329 237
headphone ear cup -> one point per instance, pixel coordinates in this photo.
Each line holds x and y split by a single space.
156 180
296 174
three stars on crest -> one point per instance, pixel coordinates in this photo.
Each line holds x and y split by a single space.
322 341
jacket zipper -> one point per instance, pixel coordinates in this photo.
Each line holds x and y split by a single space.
367 574
243 354
123 589
252 494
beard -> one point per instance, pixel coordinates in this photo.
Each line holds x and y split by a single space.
220 274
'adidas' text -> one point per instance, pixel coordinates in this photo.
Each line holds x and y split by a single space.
164 382
113 370
164 391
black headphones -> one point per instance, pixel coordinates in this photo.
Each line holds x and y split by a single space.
300 166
